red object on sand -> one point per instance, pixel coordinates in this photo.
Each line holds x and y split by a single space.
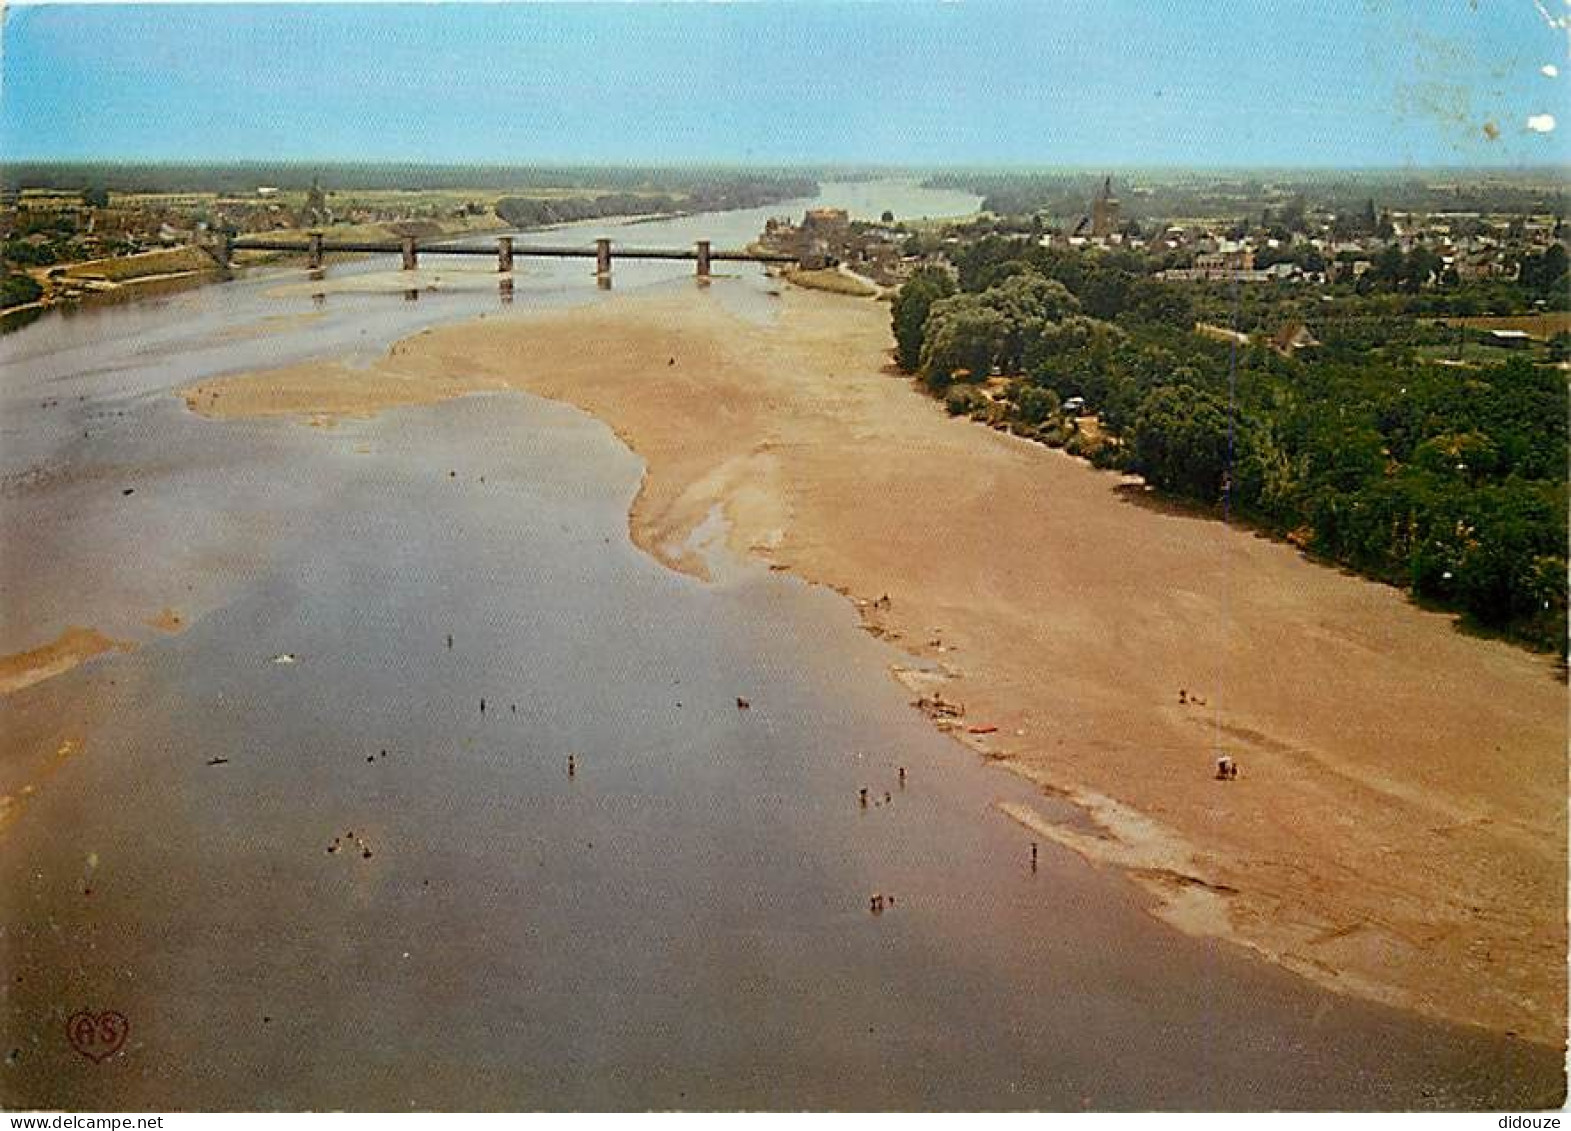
988 729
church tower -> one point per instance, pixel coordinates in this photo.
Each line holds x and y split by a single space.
1104 210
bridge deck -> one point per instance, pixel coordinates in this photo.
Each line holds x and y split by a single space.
554 251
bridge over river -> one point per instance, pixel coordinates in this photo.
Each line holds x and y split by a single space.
504 250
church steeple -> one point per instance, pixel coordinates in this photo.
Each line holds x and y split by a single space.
1104 210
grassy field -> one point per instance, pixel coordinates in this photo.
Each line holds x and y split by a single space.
1540 326
169 261
1475 353
828 279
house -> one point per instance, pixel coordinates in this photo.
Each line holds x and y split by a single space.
831 225
813 254
1291 338
1483 265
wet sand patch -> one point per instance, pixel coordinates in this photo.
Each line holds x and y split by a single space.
317 393
273 324
74 646
169 621
12 804
395 282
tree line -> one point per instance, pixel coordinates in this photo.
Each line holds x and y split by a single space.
1448 480
1283 198
709 196
241 177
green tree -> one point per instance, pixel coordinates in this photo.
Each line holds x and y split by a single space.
910 309
1033 404
965 400
1468 456
1148 300
989 260
1105 291
1389 266
18 290
1181 441
1028 304
1545 276
1077 356
1509 556
962 341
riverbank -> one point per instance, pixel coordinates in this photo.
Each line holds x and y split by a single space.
85 280
1398 827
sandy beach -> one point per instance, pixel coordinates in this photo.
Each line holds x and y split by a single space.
1397 831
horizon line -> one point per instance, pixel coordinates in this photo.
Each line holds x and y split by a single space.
828 165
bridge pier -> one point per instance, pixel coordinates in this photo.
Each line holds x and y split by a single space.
603 258
411 256
703 259
504 253
314 251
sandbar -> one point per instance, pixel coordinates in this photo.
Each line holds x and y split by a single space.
1398 827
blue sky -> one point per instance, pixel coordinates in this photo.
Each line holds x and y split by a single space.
1182 82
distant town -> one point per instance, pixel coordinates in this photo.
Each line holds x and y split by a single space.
61 243
1383 385
65 243
1297 241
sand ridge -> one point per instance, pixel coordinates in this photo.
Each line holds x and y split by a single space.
1398 830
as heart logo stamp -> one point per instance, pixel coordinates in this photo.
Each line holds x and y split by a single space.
97 1036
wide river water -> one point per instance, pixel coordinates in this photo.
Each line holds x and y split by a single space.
681 921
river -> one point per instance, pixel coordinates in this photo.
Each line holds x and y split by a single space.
370 877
